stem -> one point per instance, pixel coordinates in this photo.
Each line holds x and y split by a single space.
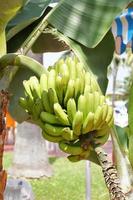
123 165
2 43
110 176
26 46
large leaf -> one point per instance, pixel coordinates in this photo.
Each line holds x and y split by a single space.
30 13
86 21
95 59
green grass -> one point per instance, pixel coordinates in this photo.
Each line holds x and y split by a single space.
68 181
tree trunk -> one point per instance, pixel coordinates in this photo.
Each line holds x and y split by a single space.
30 156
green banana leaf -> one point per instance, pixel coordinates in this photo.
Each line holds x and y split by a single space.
8 9
86 21
95 59
123 138
33 10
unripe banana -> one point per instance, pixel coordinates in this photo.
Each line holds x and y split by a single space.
109 115
90 102
50 138
69 92
88 78
45 101
64 73
27 88
78 88
43 82
88 124
71 109
37 109
53 130
59 89
51 79
82 105
98 117
68 134
70 148
96 100
49 118
94 84
35 87
73 158
23 103
77 123
87 90
58 65
102 100
52 96
62 116
72 69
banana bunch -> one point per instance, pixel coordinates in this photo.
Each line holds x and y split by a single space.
69 107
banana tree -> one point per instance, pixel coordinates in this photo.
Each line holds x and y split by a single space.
83 27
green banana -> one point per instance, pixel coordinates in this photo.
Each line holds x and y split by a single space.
45 101
52 96
87 90
23 103
27 88
53 130
78 89
98 117
72 69
51 79
60 113
35 87
64 73
77 123
68 134
69 92
109 115
59 89
88 78
102 100
96 100
82 105
88 124
73 158
71 109
90 102
43 82
94 84
49 118
70 148
50 138
37 108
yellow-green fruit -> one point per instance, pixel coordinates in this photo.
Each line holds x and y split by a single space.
62 116
49 118
50 138
52 129
68 134
77 123
73 149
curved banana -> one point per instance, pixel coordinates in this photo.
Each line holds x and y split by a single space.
109 116
68 134
69 92
88 124
73 158
23 103
49 118
51 79
70 148
71 109
82 105
52 96
53 130
37 108
45 101
62 116
98 117
35 87
43 82
27 88
59 89
77 123
100 140
96 100
50 138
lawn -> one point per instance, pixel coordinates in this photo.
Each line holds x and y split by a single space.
68 181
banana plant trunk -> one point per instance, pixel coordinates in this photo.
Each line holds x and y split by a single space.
30 156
